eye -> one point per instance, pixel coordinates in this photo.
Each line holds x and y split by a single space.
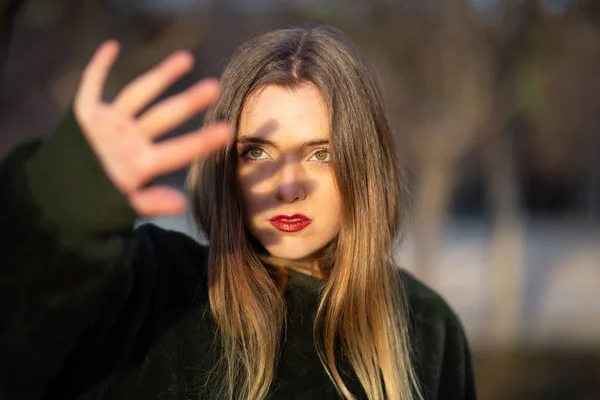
255 153
322 155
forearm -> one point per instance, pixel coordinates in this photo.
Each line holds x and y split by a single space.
64 231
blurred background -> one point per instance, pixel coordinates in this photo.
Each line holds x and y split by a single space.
496 109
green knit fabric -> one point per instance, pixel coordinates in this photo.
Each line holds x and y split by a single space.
92 309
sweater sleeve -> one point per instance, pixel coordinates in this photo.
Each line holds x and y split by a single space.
66 242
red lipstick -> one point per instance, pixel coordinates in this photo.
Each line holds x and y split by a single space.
290 223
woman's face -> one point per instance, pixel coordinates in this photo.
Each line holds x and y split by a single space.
291 203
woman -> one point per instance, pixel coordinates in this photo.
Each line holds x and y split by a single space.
295 181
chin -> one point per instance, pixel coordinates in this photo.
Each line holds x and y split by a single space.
290 252
286 247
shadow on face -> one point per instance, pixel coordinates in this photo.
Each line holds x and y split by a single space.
284 169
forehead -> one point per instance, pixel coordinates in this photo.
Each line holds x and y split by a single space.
285 114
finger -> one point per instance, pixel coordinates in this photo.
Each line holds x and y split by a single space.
175 110
96 72
159 200
141 91
179 152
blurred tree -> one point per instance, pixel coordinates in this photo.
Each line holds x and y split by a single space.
8 13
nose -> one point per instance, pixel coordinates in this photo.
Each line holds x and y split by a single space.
290 183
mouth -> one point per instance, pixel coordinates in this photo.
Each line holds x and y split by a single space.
290 223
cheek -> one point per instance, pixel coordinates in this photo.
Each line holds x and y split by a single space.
330 200
254 188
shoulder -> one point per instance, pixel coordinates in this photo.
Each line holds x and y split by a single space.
181 263
425 304
170 244
440 347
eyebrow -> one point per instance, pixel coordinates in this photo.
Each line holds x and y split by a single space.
266 142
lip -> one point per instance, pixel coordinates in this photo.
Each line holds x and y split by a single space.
290 223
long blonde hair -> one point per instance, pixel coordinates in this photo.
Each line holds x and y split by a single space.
362 304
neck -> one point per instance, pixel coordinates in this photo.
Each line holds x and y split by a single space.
310 270
307 266
315 264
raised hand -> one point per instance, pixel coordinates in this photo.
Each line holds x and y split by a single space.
123 140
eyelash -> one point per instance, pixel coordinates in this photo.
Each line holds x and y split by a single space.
246 150
319 151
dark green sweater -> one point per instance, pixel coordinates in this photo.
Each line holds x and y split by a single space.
90 308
